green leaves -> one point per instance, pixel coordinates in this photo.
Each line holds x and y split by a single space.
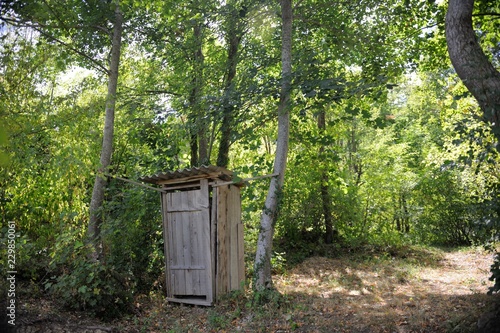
4 158
399 142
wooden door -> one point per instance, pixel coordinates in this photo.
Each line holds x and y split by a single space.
188 253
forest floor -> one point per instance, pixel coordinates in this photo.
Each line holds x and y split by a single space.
404 290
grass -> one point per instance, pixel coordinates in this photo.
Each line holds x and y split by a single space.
407 289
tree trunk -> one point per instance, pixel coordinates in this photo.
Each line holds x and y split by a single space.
262 268
355 163
406 215
324 188
193 141
234 38
95 219
470 63
198 139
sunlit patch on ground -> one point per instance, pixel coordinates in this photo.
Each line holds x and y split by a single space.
392 294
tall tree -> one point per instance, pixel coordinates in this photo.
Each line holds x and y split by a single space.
235 30
262 269
182 38
471 64
83 32
198 139
95 219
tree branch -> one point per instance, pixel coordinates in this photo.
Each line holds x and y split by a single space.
148 92
39 27
486 14
98 65
161 92
25 23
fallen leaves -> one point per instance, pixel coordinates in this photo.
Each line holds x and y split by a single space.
391 294
422 292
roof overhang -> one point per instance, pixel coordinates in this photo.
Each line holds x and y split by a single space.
210 172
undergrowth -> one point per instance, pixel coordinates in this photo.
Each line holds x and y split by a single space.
375 288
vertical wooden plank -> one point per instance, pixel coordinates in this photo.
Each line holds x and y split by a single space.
185 236
178 249
186 247
240 232
203 198
222 240
237 264
166 242
194 250
170 243
232 222
174 223
204 204
198 248
190 238
213 241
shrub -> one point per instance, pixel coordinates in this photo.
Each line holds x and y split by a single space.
495 274
92 286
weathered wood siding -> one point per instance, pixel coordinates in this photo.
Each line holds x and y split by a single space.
188 248
230 248
203 233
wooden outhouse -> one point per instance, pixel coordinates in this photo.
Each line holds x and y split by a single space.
203 233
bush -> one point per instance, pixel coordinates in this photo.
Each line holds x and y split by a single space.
495 274
92 286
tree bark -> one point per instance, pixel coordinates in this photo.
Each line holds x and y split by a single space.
471 64
198 139
234 38
262 267
97 199
193 141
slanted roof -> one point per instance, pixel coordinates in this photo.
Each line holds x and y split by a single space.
189 174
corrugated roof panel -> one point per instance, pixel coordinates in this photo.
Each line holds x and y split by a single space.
209 171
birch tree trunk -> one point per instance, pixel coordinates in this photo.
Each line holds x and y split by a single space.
262 268
470 62
95 220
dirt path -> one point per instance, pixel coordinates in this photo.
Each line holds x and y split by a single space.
393 291
417 292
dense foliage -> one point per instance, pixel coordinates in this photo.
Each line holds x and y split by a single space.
386 145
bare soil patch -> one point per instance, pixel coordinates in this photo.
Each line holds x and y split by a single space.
404 290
